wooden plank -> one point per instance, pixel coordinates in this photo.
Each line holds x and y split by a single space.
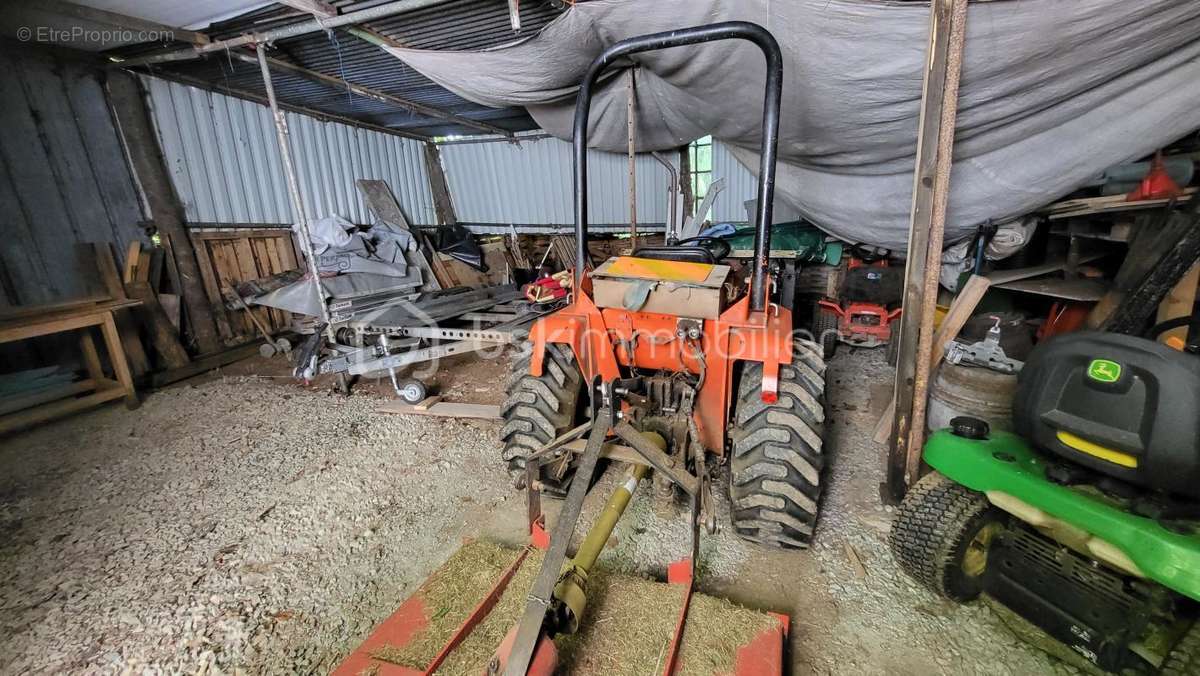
225 267
45 395
38 219
22 311
444 409
207 271
238 233
25 329
142 148
162 335
261 248
960 311
33 416
91 358
204 364
133 255
931 187
116 357
279 319
425 403
1108 204
1157 259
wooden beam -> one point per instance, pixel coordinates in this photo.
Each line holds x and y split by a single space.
132 23
1157 260
141 145
406 104
1180 302
931 185
443 205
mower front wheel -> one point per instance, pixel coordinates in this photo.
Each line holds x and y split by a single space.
775 477
942 534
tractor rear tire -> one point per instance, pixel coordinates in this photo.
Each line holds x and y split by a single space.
1184 658
539 409
941 535
775 477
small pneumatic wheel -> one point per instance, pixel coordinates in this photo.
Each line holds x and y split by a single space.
412 391
942 534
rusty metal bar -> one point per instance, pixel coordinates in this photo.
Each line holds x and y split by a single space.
289 169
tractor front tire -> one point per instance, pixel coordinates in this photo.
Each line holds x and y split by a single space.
539 409
775 471
941 536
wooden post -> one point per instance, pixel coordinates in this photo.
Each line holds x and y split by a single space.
1180 302
1158 258
141 144
931 182
631 141
442 204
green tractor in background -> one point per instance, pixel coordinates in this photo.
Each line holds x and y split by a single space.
1086 522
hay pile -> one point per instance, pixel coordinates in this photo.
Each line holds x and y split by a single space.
627 628
472 655
450 595
630 622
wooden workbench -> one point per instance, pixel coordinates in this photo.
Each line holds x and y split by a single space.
97 388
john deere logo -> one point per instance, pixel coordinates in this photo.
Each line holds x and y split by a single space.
1104 370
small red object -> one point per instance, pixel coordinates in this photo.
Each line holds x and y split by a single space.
1157 184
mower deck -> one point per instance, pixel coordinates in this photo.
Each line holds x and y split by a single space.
1013 476
454 622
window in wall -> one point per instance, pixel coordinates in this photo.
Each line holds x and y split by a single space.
700 157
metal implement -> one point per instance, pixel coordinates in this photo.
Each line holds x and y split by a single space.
986 353
571 591
530 627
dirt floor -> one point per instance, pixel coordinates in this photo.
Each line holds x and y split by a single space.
244 523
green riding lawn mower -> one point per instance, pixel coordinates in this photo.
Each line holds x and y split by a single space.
1086 521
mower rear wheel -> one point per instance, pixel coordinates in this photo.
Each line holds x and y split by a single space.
775 477
825 330
941 536
1184 658
538 409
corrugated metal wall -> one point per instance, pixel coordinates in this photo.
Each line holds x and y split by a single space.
739 185
64 179
223 158
530 183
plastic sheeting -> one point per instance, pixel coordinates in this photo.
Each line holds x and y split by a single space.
1052 94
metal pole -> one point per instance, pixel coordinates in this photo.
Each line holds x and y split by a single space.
290 31
672 230
631 141
411 106
770 134
285 154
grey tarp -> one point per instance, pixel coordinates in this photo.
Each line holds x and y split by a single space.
1053 92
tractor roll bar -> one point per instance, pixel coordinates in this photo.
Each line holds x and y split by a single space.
740 30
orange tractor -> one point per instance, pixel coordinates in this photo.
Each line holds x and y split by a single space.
684 360
666 360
